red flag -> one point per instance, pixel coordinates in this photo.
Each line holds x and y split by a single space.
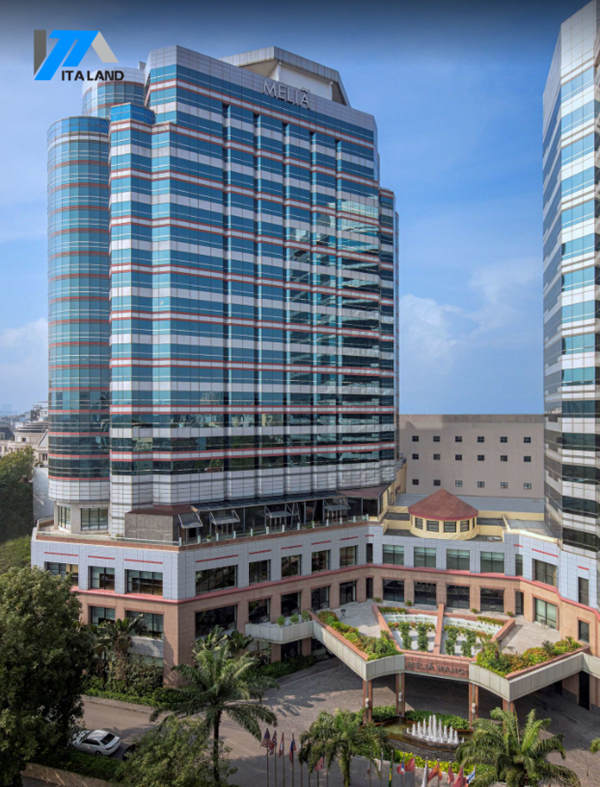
434 772
273 743
281 745
320 764
410 765
460 779
292 748
450 774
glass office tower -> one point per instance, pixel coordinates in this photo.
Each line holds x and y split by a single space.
251 305
572 446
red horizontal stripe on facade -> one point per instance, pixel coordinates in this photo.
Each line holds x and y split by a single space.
63 554
210 559
296 546
101 557
583 568
133 560
321 542
349 538
541 552
260 552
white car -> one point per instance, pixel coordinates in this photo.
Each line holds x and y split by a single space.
101 742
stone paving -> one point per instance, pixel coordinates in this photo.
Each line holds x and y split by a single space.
528 635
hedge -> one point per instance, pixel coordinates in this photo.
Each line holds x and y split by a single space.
278 669
81 763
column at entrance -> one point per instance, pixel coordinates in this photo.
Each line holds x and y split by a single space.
473 703
400 695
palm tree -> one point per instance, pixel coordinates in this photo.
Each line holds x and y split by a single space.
516 757
102 644
238 642
219 683
340 737
118 634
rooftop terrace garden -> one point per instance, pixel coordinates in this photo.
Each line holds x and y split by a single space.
493 659
372 647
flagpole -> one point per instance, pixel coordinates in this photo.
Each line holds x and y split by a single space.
283 761
275 766
267 755
381 768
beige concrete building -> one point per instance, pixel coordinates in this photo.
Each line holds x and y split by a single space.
485 455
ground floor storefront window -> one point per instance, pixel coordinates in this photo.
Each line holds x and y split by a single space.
458 596
319 598
290 604
425 593
393 590
347 592
226 617
492 600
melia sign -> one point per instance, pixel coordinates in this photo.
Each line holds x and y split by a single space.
283 92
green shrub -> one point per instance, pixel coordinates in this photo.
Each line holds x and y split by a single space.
511 614
305 615
491 621
450 647
294 619
377 600
277 669
327 617
281 621
493 659
466 649
408 603
81 763
474 611
449 719
422 641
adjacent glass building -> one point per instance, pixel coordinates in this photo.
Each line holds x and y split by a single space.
222 286
571 245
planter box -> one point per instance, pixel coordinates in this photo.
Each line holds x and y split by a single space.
271 632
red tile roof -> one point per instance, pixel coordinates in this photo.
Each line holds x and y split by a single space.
442 505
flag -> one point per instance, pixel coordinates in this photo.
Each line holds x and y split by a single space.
292 748
266 741
410 765
320 764
282 745
400 768
450 774
435 772
460 779
390 780
273 743
471 776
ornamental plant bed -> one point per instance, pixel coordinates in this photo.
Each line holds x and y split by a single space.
494 660
372 647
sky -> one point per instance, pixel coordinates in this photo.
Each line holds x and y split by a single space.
456 89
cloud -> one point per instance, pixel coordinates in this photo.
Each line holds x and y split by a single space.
24 364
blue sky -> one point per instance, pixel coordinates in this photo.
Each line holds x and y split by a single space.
457 93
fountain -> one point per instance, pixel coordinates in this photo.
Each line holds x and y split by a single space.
433 733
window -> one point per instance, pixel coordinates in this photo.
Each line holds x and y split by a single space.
102 578
415 482
503 484
290 604
289 650
64 570
527 439
393 590
99 614
259 611
518 565
464 525
492 600
481 485
347 592
369 587
94 518
418 523
226 617
458 439
63 517
433 526
369 552
503 458
583 589
492 563
437 482
527 459
519 602
216 579
320 560
291 566
458 560
415 438
259 571
437 457
393 554
458 596
425 593
545 613
481 439
504 439
526 485
319 598
458 457
458 483
481 457
152 621
449 527
148 582
347 556
544 572
425 557
415 456
583 631
436 438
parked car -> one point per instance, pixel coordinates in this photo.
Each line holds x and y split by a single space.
100 742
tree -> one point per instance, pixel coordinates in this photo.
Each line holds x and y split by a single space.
43 655
219 683
595 746
177 753
517 757
16 494
340 737
117 636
